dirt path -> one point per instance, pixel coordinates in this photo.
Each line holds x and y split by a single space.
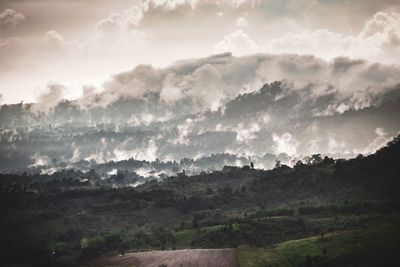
173 258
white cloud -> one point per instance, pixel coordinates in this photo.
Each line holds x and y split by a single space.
379 141
126 20
285 143
238 42
148 153
48 99
135 35
245 133
379 40
108 23
173 88
171 5
242 22
209 83
149 5
10 135
40 160
53 39
184 131
10 18
76 153
322 43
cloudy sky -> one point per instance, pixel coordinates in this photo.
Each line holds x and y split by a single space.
77 43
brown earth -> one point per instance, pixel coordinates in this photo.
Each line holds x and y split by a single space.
173 258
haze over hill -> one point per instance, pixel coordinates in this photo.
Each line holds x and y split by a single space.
258 132
259 108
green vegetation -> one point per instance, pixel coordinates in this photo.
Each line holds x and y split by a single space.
376 245
184 238
56 222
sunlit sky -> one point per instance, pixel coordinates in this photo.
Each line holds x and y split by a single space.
84 42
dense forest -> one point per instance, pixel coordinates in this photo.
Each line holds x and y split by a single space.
58 220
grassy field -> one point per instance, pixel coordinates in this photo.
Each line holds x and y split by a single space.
185 237
377 245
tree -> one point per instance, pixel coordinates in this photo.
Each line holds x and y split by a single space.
114 241
195 220
278 164
328 160
314 159
299 164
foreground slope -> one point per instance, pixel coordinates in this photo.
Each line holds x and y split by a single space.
174 258
377 245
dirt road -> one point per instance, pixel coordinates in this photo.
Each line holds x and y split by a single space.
173 258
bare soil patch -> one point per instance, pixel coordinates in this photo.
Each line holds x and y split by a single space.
173 258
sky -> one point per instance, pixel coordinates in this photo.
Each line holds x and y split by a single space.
84 43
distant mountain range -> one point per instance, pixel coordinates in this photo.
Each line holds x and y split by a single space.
285 120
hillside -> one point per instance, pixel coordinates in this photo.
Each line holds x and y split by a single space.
64 221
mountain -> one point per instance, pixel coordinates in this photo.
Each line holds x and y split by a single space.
279 118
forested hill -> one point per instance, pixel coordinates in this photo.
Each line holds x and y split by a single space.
67 220
317 178
377 172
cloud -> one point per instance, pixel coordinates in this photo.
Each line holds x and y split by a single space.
285 143
173 88
351 84
184 131
40 160
142 80
126 20
10 135
245 133
10 18
148 152
238 42
378 40
76 46
379 141
242 22
53 39
158 101
208 83
48 99
108 23
150 6
141 119
321 43
203 82
383 26
76 154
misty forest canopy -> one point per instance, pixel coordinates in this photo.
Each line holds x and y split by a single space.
202 114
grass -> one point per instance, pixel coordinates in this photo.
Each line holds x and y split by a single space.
374 246
185 237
